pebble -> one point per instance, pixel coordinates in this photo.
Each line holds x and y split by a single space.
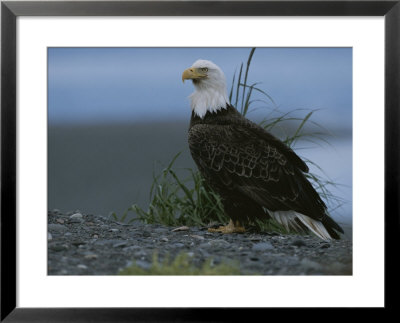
262 246
81 266
56 227
197 237
298 243
77 242
130 248
183 228
76 216
49 236
120 244
58 248
219 243
113 230
75 220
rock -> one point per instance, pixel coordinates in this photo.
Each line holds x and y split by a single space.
78 242
81 266
59 247
76 220
219 243
197 237
262 246
113 230
298 243
255 238
91 256
178 245
49 236
76 216
183 228
120 244
164 239
56 227
146 234
61 221
160 230
140 253
131 248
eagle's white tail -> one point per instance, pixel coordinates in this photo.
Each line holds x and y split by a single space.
288 220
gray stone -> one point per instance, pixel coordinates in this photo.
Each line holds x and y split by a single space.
76 216
131 248
262 246
120 244
56 227
298 243
49 236
146 234
183 228
59 247
76 220
197 237
78 242
219 243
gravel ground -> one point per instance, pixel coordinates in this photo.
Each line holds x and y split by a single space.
80 244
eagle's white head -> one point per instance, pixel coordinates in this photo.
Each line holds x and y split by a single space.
210 84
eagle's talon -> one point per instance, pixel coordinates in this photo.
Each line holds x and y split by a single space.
230 228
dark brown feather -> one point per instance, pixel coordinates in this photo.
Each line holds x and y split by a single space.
251 169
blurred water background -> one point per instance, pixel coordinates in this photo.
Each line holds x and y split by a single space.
117 115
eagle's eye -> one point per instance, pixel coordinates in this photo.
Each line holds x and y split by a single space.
204 69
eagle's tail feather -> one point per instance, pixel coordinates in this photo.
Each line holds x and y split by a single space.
297 222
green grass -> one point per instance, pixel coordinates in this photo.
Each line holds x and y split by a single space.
182 265
186 199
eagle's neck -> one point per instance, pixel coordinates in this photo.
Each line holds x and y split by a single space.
208 98
227 116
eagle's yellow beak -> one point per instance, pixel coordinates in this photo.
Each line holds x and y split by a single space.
192 73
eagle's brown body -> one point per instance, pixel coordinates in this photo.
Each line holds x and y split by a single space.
254 172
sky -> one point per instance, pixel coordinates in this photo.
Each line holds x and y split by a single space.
103 85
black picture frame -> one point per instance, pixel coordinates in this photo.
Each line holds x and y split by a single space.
10 10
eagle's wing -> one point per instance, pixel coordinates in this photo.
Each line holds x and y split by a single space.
253 162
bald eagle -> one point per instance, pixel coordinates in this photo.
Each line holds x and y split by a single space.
255 174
